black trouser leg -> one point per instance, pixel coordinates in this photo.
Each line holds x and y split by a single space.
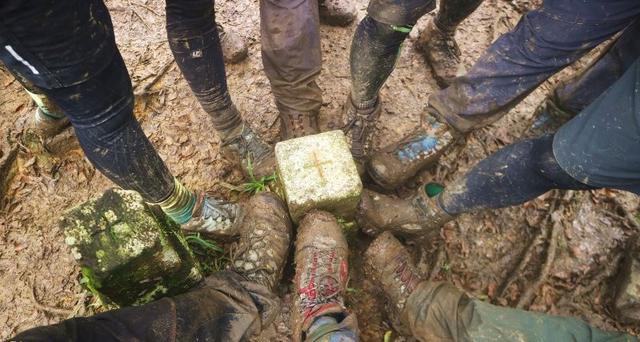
374 51
452 12
194 41
515 174
66 50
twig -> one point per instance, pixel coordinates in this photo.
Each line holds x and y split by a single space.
46 308
157 77
148 8
531 291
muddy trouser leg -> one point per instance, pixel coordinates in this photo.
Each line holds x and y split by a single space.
438 311
195 44
376 44
228 308
513 175
291 54
576 94
66 49
452 12
544 41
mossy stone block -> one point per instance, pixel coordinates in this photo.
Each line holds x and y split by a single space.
129 252
318 172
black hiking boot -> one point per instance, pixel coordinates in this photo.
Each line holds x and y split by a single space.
337 12
441 52
359 128
234 47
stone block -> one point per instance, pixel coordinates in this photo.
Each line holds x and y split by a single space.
318 172
627 297
129 252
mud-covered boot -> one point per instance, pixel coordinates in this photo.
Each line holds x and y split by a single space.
359 128
47 126
265 235
440 50
48 119
296 125
337 12
234 47
256 156
548 117
420 214
390 266
321 277
395 164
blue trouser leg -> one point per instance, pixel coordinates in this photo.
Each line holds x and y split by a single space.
544 41
66 49
577 93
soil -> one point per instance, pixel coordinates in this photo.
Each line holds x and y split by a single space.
480 253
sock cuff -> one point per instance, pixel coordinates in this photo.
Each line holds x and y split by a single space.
179 205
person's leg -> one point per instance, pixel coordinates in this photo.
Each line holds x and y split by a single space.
438 311
513 175
225 309
70 57
437 43
291 55
570 97
374 50
545 41
195 44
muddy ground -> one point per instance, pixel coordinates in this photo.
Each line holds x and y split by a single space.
497 256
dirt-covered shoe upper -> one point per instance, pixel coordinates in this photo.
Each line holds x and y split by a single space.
417 215
337 12
548 118
396 163
321 270
257 157
389 264
213 217
234 47
296 125
265 236
47 126
441 52
359 128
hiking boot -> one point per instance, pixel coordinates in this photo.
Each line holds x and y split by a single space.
396 163
213 217
337 12
234 47
389 264
321 272
47 126
548 117
417 215
256 156
265 234
296 125
359 128
440 50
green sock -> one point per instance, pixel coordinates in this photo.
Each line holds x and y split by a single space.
179 205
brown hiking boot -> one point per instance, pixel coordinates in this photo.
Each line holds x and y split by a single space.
337 12
417 215
265 234
359 128
396 163
257 157
296 125
441 52
389 263
321 271
234 47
